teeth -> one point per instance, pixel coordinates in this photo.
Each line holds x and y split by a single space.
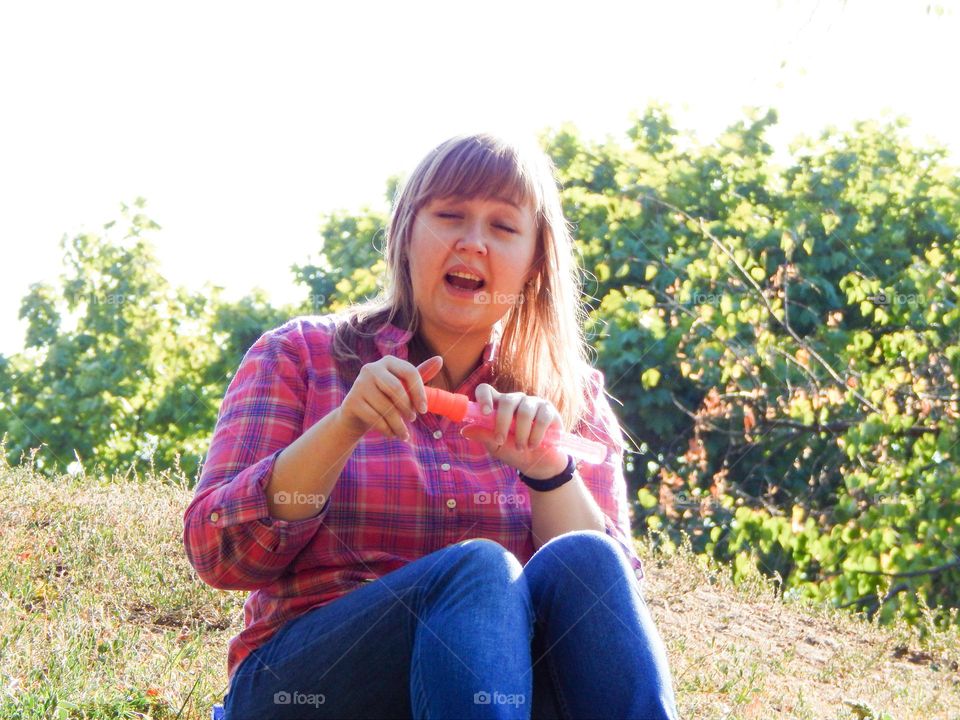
468 276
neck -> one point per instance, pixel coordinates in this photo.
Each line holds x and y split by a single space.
461 356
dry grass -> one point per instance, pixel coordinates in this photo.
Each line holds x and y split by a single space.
740 652
101 616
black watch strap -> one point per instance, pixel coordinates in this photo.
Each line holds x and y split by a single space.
550 483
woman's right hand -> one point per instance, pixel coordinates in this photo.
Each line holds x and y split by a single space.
386 393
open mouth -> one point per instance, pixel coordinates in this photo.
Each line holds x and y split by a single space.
463 283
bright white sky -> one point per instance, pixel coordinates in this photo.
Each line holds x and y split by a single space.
241 123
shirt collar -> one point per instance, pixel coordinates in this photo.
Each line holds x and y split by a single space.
393 340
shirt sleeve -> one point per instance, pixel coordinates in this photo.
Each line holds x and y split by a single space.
606 480
230 538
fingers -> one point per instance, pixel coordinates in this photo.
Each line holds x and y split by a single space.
506 406
545 417
385 419
486 395
401 393
527 417
379 396
425 372
391 386
428 369
526 411
412 379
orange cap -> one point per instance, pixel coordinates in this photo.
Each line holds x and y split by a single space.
448 404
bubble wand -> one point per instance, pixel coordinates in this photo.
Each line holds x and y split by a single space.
460 408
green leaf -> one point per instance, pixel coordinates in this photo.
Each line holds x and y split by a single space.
647 499
830 222
650 378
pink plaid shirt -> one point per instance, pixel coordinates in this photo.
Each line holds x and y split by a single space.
393 503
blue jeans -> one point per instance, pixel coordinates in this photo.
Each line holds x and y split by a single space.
468 632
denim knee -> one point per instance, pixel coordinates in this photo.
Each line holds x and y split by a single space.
486 581
489 565
584 548
487 558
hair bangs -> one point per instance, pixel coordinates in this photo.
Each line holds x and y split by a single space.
481 168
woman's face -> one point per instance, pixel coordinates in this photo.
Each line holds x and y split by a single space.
492 239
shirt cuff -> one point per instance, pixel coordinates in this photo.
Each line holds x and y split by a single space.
243 501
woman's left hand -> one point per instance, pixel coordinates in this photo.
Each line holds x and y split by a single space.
534 416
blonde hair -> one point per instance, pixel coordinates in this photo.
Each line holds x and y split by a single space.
542 350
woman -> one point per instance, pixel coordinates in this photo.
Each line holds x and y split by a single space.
400 568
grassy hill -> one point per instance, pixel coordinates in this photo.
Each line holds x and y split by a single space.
101 616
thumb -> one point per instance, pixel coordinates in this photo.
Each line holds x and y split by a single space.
430 367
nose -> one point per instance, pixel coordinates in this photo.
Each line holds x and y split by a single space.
472 240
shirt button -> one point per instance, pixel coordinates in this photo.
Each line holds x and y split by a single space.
437 434
445 466
214 516
451 503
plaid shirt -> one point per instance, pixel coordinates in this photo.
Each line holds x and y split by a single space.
392 504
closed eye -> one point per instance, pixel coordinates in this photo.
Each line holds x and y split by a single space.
452 215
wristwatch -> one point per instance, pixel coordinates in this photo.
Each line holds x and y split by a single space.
550 483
